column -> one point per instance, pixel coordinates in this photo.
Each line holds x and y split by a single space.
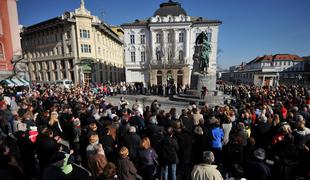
74 45
187 45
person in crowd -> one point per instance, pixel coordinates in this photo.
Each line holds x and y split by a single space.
97 162
169 154
206 170
40 121
126 170
132 142
256 168
147 160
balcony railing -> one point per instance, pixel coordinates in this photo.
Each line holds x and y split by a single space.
168 62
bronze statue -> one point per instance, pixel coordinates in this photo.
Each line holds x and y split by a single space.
202 51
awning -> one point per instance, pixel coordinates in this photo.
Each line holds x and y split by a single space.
25 82
8 83
17 82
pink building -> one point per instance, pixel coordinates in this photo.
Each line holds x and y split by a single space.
9 36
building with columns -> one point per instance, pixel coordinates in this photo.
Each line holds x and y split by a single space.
9 37
76 46
160 49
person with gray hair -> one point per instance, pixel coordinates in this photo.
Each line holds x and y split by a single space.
205 170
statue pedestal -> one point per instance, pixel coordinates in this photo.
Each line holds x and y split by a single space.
199 80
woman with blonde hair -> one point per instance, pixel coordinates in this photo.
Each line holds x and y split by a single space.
147 159
54 125
125 168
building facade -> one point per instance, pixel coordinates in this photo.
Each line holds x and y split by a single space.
76 46
268 70
9 37
160 50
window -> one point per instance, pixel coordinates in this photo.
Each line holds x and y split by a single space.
98 38
132 39
99 50
158 55
181 37
85 48
158 37
142 39
143 56
284 63
209 36
169 38
69 48
1 51
84 33
133 56
169 54
68 35
181 55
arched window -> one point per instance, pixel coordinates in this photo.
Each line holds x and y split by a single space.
159 72
1 51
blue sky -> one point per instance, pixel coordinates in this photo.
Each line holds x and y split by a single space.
250 27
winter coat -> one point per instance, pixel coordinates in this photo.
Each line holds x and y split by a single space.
170 149
125 169
206 172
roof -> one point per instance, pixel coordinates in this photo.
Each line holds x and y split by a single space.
201 20
276 57
170 8
137 22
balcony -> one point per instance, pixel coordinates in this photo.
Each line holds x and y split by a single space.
168 63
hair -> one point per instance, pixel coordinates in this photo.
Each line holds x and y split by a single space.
98 148
145 143
109 170
208 157
53 118
123 152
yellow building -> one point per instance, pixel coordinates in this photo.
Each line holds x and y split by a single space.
76 46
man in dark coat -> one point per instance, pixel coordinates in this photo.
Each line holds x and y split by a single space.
132 142
185 140
169 157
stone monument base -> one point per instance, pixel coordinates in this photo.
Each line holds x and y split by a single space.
203 80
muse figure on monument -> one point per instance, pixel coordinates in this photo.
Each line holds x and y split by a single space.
201 55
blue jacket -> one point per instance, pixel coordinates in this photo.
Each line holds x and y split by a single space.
218 135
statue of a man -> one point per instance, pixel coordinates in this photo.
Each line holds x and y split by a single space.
203 49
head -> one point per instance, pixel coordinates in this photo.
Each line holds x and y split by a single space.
53 118
145 143
92 126
93 139
132 129
170 131
123 152
208 157
300 122
98 149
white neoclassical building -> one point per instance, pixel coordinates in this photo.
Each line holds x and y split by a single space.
159 50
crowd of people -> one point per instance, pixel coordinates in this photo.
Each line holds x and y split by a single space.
53 133
111 89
